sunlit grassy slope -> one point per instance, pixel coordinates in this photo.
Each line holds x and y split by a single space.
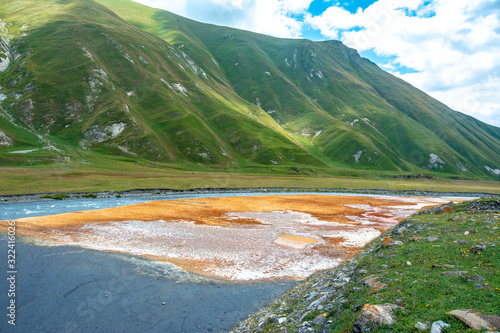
106 80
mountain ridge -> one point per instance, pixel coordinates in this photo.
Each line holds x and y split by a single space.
118 78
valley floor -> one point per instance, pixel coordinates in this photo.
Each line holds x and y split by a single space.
124 177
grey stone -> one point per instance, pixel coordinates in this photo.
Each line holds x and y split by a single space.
438 326
319 320
317 302
422 327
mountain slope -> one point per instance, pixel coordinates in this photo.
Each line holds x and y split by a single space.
116 77
86 77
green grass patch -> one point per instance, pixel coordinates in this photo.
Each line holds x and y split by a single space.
424 293
55 196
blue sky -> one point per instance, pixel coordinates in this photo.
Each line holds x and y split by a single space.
448 48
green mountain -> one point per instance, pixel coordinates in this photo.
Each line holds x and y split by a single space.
83 79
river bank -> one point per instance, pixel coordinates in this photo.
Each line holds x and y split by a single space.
6 199
436 261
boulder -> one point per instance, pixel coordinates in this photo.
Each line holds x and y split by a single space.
446 210
374 316
476 320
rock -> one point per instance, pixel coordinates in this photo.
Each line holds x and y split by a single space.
363 271
374 316
408 263
466 233
387 241
422 327
268 319
399 301
438 326
281 320
377 287
446 210
317 302
319 319
451 273
399 231
476 320
478 248
431 239
370 280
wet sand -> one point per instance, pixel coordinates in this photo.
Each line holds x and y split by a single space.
237 238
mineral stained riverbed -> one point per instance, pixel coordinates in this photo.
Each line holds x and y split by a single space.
232 238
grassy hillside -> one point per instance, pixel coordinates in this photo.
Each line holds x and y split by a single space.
91 79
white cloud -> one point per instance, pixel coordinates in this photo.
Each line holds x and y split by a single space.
453 44
177 6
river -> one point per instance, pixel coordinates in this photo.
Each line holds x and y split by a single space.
73 289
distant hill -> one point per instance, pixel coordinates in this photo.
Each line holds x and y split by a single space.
113 77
